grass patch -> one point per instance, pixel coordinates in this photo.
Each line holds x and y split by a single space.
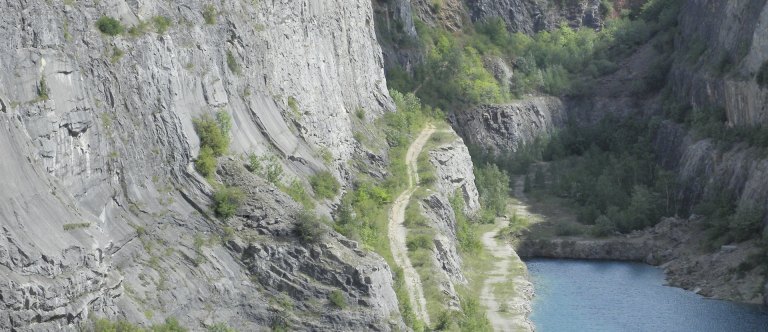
325 185
337 299
299 194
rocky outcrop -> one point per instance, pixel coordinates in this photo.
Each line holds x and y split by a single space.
397 34
722 47
530 16
448 14
506 128
100 209
454 175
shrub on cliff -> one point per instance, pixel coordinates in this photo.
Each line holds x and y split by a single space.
214 133
226 201
206 162
309 227
324 185
109 26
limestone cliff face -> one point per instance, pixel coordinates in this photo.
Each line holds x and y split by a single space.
97 177
506 128
530 16
721 49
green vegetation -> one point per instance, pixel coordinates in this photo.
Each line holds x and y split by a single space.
266 167
298 193
206 162
116 55
162 24
42 89
104 325
559 62
493 186
220 327
310 228
214 133
232 63
109 26
139 29
214 140
466 234
325 185
73 226
337 298
294 106
226 201
210 14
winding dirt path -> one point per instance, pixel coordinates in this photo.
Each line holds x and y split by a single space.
507 314
397 230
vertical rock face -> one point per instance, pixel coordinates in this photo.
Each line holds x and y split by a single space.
97 139
530 16
506 128
454 175
723 45
397 34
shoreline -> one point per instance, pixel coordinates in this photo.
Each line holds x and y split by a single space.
673 246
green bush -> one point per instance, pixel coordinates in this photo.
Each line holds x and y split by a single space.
493 186
206 162
466 234
210 14
214 133
337 298
232 63
419 242
297 192
162 24
42 89
109 26
324 184
226 201
309 227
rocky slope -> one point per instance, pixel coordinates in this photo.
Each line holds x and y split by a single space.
101 210
507 128
529 16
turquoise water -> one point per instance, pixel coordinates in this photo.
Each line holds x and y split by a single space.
593 296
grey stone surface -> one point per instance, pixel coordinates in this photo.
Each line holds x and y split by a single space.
734 40
530 16
100 208
506 128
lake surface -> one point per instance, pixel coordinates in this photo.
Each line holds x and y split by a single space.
575 295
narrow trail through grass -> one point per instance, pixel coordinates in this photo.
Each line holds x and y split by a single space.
506 291
397 231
